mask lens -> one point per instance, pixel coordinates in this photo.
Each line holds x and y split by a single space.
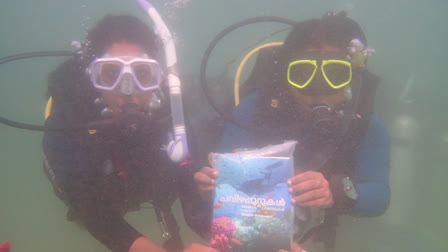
300 73
337 74
145 73
106 73
109 73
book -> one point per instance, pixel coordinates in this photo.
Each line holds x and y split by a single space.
252 206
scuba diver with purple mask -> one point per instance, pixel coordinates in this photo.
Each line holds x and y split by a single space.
316 89
117 85
115 137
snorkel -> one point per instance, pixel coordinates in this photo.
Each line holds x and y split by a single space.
177 148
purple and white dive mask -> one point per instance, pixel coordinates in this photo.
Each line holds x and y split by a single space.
107 73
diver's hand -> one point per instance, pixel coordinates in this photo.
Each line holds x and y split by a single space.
296 248
310 189
206 181
143 244
196 247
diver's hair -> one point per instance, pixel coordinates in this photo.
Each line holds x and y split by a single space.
118 28
332 29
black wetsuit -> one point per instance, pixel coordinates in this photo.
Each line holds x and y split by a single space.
102 176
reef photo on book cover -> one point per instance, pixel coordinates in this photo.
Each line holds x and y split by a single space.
252 205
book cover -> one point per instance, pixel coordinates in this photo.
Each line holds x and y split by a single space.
252 205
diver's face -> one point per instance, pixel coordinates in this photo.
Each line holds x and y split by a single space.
323 94
115 99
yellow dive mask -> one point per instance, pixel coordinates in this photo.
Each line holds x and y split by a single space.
337 73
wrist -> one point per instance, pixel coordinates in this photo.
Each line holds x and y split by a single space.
345 193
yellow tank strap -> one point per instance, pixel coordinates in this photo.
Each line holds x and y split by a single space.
48 107
236 89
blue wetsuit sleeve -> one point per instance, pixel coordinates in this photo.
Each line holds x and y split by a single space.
235 136
372 174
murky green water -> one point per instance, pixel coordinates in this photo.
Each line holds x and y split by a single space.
410 38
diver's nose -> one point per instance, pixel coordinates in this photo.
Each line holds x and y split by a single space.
127 85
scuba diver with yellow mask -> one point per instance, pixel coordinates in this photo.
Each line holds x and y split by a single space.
315 88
